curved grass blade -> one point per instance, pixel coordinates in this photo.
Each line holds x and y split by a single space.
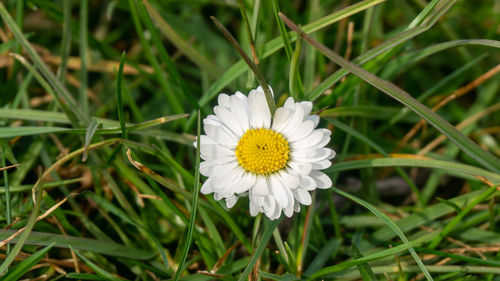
329 249
379 149
375 256
101 272
119 98
187 48
451 225
364 269
10 132
268 231
17 272
430 213
81 243
37 192
457 169
390 223
189 235
59 89
380 49
463 142
84 276
88 137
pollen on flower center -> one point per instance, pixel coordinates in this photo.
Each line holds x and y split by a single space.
262 151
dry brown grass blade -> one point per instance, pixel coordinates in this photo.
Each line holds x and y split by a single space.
429 147
447 99
9 167
108 66
41 217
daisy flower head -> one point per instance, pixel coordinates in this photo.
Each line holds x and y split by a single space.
274 160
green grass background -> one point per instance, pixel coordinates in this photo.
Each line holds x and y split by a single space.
100 102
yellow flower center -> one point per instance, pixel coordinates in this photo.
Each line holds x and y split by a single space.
262 151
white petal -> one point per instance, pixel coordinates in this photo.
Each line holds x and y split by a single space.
247 180
332 154
321 165
279 192
289 103
304 130
314 118
207 168
288 212
225 175
300 168
240 112
302 196
215 150
219 195
295 120
256 199
262 90
269 206
296 206
207 188
311 155
223 100
322 180
281 118
325 140
204 139
314 138
218 159
307 183
231 201
288 180
307 105
229 120
254 210
276 214
261 188
220 135
243 98
259 110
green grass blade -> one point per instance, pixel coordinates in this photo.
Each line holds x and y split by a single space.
293 83
159 74
329 249
375 256
450 226
84 276
284 34
8 207
457 169
196 187
276 44
44 69
83 45
85 244
364 269
187 48
268 231
380 49
389 223
66 41
89 134
119 98
430 213
17 272
101 272
463 142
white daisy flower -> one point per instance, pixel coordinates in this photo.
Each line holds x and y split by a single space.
275 161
